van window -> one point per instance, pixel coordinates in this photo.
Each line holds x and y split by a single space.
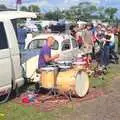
55 46
38 43
66 45
3 38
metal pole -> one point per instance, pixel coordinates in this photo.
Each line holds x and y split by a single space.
16 6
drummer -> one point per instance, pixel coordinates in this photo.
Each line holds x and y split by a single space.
45 53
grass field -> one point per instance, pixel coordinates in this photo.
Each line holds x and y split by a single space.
105 80
14 111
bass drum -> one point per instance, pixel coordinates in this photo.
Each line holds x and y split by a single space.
74 81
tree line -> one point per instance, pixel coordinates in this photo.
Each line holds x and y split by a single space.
84 11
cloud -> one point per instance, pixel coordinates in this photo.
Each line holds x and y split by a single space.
40 3
70 1
96 2
75 2
12 3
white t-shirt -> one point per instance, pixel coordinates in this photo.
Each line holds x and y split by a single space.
112 39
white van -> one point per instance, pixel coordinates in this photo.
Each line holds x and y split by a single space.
10 67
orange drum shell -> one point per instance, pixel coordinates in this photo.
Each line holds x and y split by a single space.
66 81
48 79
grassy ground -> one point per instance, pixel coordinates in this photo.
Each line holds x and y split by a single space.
105 80
13 111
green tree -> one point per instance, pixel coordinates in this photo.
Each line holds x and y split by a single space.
101 12
69 14
23 8
3 7
110 12
86 10
34 8
54 15
49 16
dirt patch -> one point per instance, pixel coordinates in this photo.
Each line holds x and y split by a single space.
106 107
46 103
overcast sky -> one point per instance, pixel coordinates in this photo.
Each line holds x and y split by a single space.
63 4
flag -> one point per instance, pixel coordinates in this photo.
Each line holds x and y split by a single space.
18 1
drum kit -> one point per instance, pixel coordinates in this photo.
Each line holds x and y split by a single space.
65 77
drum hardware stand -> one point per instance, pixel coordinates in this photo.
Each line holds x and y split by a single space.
68 95
53 92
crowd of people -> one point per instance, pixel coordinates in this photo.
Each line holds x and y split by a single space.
99 40
105 37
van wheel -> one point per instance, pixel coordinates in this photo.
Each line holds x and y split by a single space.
4 97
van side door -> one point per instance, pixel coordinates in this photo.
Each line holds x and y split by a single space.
5 59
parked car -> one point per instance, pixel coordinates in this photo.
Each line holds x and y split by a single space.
11 70
65 45
31 26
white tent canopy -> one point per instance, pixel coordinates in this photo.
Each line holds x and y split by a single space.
81 23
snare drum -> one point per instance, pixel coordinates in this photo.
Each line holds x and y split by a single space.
48 77
64 65
73 80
